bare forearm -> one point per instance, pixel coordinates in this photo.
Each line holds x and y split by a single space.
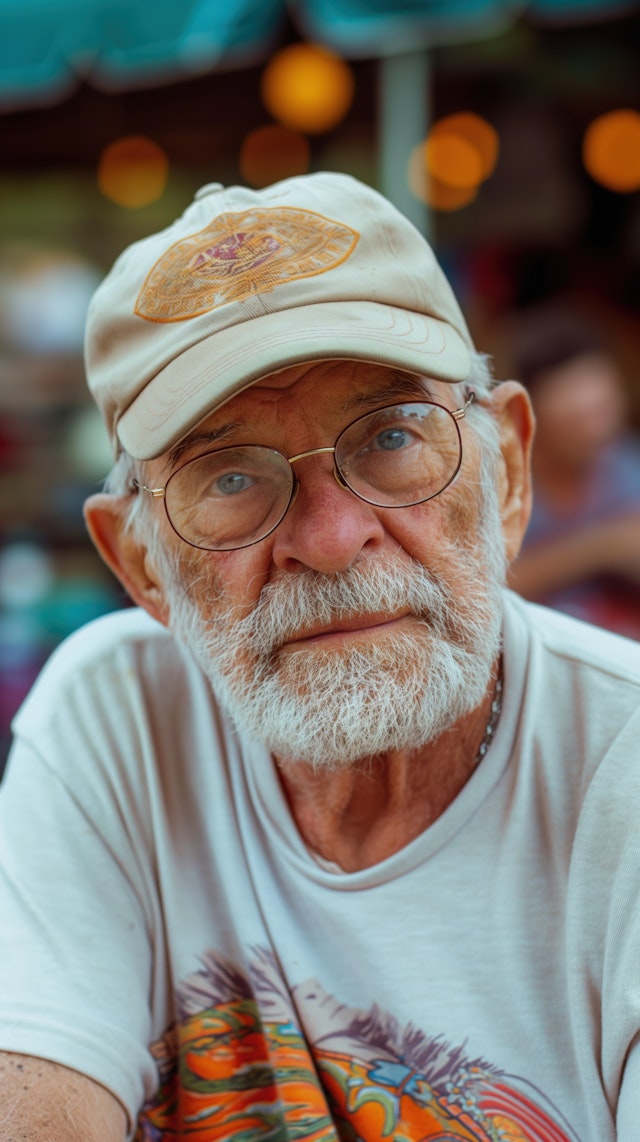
611 547
44 1102
551 566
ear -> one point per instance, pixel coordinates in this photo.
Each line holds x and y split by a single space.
516 422
105 517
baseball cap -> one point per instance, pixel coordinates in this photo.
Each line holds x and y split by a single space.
248 282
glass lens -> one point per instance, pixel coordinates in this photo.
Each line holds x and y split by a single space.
229 498
401 455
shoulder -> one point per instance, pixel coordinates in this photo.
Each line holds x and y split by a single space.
577 692
626 454
576 711
101 637
114 664
95 645
620 472
576 647
122 710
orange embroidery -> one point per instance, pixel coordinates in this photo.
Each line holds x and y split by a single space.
240 255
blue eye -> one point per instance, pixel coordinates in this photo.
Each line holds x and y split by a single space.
392 439
232 482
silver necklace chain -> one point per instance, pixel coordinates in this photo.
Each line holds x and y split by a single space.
494 716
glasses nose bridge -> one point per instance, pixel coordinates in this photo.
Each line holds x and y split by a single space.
310 452
318 452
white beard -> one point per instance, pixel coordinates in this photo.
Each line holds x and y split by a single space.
333 707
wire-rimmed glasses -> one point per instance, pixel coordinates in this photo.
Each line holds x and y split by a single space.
396 457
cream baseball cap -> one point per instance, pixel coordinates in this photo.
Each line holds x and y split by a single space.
248 282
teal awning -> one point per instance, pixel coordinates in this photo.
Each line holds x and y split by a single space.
47 46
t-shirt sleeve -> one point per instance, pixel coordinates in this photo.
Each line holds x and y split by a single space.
628 1115
77 921
604 928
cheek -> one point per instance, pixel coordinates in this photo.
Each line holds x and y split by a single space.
232 578
427 531
464 519
420 531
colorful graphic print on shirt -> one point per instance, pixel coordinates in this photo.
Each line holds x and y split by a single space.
250 1061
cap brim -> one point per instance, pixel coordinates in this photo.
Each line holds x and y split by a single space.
208 373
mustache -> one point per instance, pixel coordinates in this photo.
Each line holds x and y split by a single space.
289 605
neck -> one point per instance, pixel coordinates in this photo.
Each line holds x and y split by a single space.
359 815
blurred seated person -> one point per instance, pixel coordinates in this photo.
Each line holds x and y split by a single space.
581 552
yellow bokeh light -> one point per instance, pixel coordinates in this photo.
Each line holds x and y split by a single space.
611 150
307 88
133 171
271 153
436 194
476 132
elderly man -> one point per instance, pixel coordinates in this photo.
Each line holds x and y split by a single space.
330 836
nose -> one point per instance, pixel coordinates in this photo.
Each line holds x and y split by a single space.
327 526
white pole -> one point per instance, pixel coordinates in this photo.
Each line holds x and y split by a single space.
404 114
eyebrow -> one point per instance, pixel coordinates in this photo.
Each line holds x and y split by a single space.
399 386
204 439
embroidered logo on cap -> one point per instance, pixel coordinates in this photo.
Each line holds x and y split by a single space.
240 255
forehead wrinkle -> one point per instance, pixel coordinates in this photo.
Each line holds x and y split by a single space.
396 386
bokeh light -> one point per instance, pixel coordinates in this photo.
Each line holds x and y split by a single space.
611 150
453 161
430 190
307 88
271 153
133 171
476 132
446 170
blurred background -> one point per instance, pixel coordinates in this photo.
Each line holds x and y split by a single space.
508 131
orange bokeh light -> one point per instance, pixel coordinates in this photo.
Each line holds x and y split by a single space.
271 153
611 150
307 88
453 161
460 153
436 194
133 171
476 132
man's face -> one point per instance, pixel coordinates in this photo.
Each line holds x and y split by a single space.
351 629
580 409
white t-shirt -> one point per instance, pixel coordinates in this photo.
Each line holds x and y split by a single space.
165 930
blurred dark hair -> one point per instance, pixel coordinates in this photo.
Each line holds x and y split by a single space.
550 334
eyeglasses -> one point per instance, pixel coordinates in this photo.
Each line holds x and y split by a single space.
395 457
